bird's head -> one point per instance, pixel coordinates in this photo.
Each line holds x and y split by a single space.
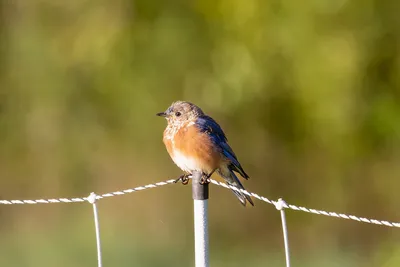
180 112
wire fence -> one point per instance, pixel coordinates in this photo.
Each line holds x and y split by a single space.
172 181
280 205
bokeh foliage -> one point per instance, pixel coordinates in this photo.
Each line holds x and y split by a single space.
308 93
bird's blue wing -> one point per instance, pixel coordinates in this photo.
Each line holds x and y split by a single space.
208 125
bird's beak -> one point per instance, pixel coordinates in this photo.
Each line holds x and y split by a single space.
162 114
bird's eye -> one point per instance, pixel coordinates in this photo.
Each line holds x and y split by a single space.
177 114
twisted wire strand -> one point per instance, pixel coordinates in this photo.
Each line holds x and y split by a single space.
309 210
83 199
278 204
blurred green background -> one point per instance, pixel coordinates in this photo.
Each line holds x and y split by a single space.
308 93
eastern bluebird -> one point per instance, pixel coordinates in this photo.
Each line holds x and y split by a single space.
196 142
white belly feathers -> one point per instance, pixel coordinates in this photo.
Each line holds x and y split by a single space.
187 164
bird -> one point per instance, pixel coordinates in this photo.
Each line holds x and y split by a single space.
196 142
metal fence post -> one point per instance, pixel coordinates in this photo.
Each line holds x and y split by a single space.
200 199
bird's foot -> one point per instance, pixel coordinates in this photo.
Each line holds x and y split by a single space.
184 178
205 179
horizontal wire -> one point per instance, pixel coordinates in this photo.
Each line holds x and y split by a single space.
171 181
89 198
304 209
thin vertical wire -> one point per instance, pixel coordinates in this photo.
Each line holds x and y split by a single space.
280 205
92 199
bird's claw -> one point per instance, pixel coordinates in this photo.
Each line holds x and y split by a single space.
204 180
184 178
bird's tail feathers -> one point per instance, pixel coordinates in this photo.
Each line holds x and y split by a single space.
233 180
240 170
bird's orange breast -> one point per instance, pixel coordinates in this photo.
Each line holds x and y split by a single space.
195 146
167 139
